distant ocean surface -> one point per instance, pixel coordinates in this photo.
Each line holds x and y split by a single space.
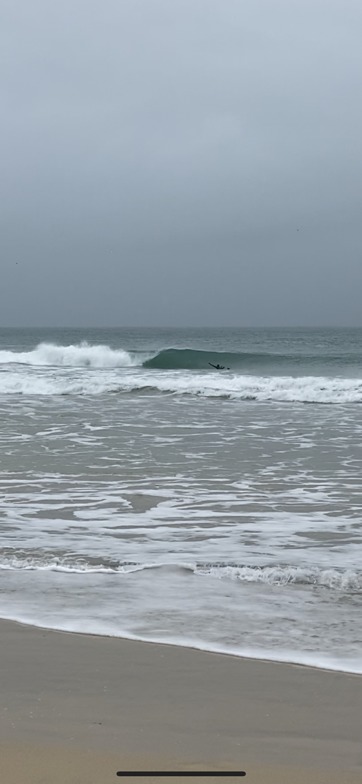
145 494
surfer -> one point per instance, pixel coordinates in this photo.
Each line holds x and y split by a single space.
218 367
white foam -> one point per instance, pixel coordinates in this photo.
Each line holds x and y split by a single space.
91 375
306 389
347 664
343 580
80 355
336 579
52 563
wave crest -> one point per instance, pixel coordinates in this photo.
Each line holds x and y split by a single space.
48 562
341 580
336 579
85 354
214 385
82 355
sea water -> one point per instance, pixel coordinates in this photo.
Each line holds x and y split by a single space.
145 494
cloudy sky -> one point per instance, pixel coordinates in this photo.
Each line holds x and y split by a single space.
181 162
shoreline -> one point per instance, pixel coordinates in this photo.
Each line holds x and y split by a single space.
190 646
77 707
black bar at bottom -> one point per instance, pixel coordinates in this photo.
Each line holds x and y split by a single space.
181 773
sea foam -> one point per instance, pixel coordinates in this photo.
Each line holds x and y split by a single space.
127 379
341 580
82 355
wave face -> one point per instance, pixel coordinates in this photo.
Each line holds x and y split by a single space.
192 359
86 369
86 355
195 359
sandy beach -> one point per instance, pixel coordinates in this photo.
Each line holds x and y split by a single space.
77 708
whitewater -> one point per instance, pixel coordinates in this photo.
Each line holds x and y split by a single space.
181 375
145 494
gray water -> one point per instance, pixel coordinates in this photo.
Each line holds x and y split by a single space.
145 494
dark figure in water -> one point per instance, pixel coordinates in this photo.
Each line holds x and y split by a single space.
218 367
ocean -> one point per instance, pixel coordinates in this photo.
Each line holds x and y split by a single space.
145 494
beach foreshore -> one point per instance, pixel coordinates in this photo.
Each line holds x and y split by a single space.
76 708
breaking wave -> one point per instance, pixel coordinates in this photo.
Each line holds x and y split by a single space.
193 359
308 389
348 581
86 369
85 355
82 355
48 562
342 580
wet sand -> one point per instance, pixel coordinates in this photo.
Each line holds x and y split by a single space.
76 708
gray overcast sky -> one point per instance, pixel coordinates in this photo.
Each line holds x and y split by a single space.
181 162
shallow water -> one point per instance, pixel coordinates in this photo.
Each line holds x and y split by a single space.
171 503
